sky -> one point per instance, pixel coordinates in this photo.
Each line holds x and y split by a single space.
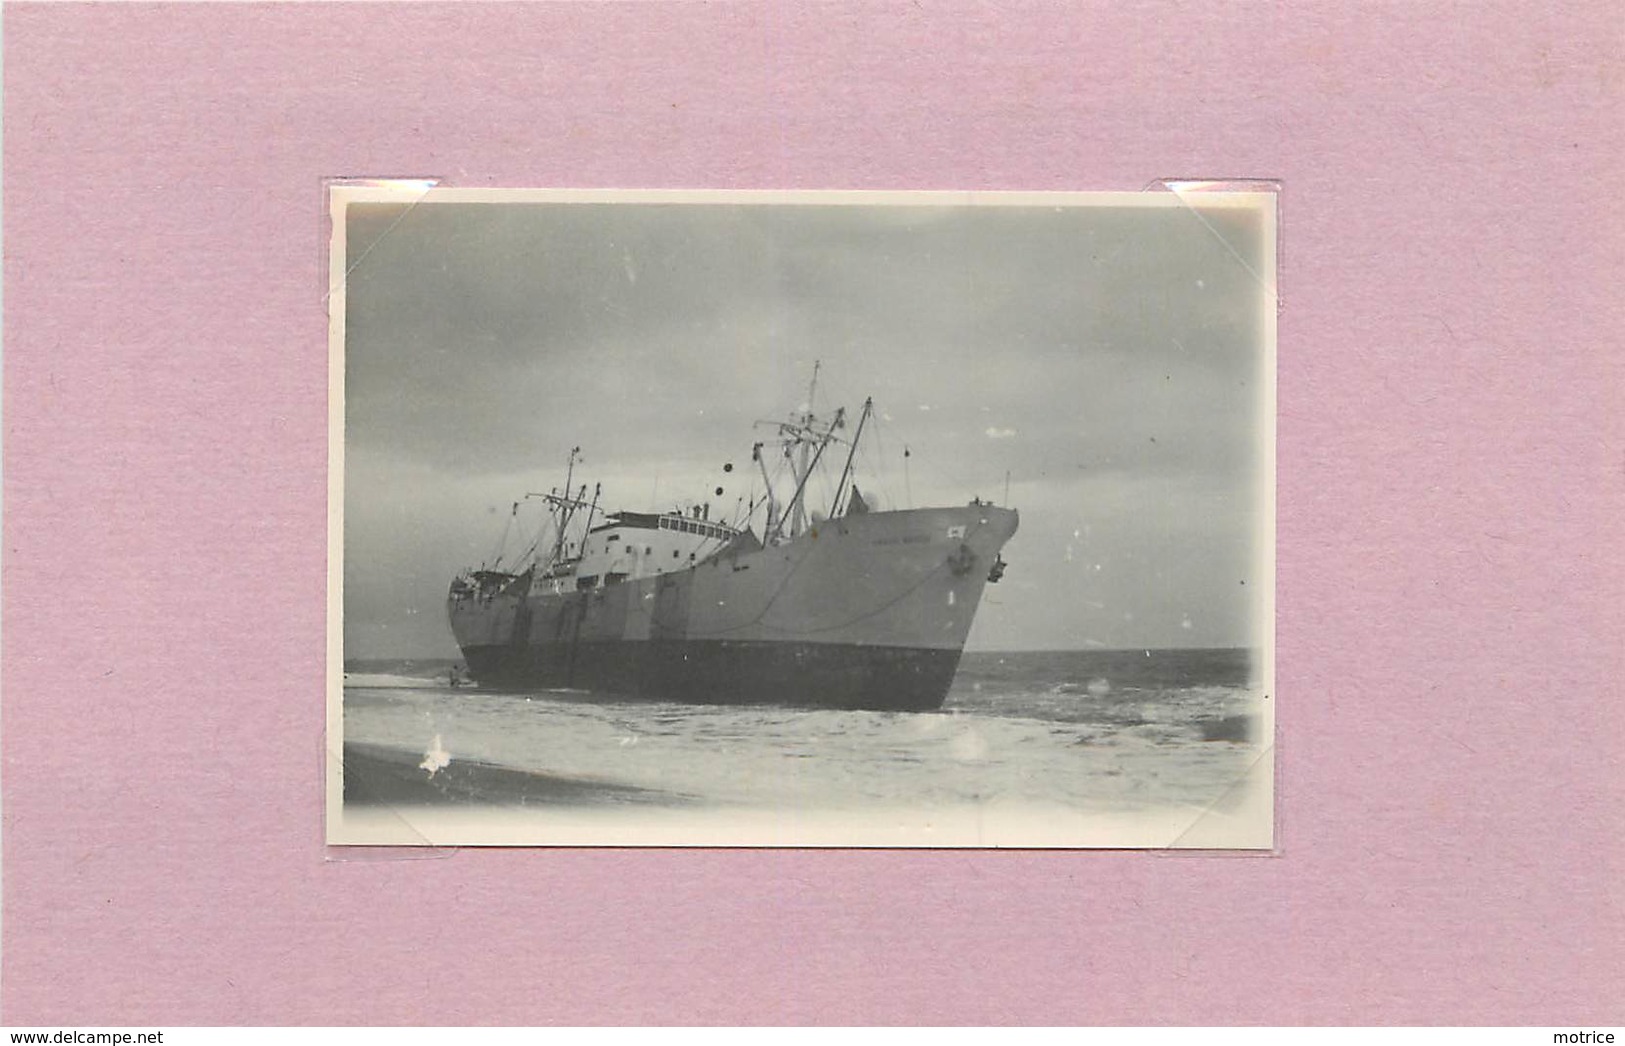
1109 364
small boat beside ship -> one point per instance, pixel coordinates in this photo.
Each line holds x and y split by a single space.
846 606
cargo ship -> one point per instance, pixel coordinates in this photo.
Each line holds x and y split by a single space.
844 606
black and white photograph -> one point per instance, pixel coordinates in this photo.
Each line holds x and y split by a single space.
850 519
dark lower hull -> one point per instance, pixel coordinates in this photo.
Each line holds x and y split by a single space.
717 672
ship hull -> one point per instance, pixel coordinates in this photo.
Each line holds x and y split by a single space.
805 675
868 611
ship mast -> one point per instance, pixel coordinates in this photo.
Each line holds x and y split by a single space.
798 503
803 439
846 471
798 508
597 489
569 474
767 481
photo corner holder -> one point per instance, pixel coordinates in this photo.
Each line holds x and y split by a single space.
338 194
1196 191
1265 772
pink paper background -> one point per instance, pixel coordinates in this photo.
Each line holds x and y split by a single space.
1450 562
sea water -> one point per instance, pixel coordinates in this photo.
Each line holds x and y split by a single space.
1086 730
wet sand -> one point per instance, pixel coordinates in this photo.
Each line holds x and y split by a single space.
376 775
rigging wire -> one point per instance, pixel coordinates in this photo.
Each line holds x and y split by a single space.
501 549
823 487
880 475
528 557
